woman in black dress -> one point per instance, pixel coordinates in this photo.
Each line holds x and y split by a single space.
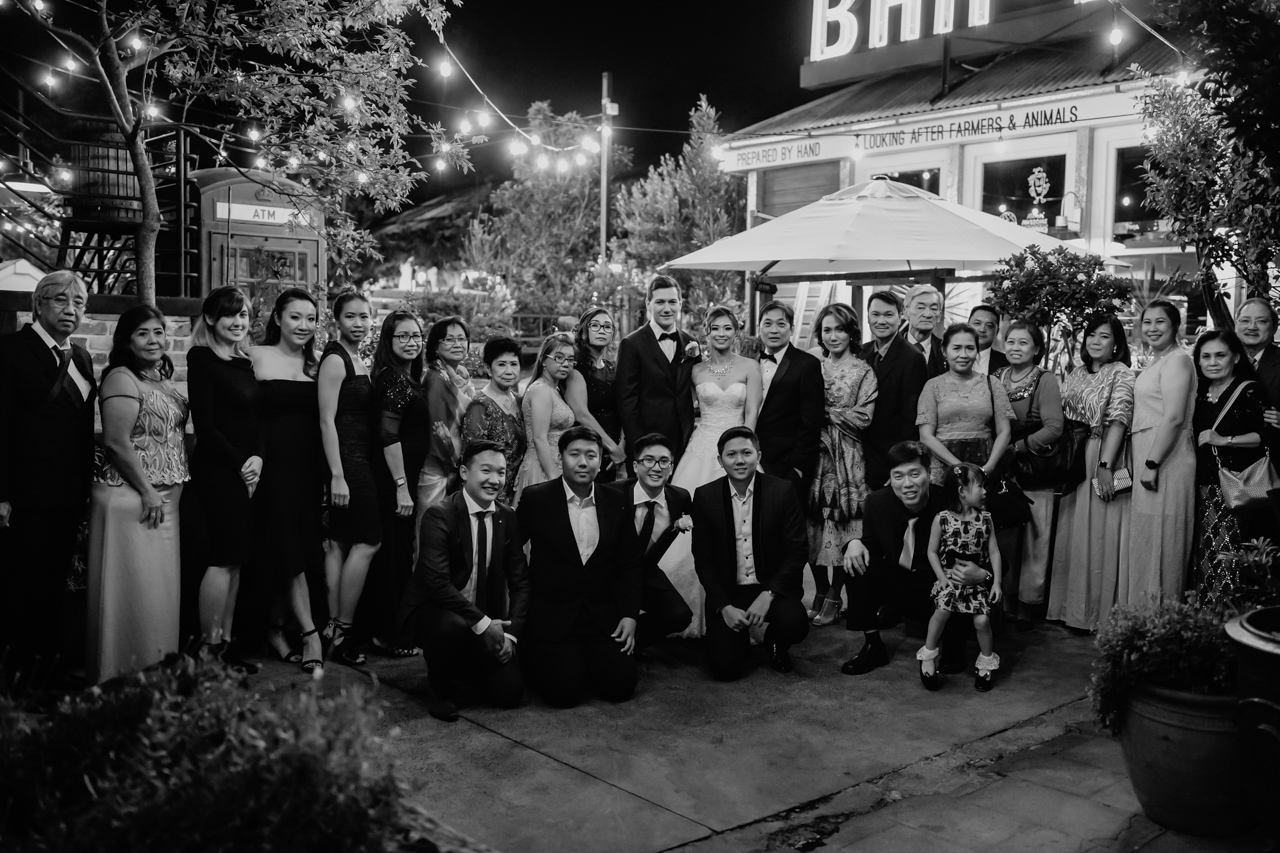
494 414
225 466
404 428
287 502
589 390
346 432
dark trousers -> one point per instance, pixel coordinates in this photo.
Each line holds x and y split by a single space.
457 655
665 610
728 650
906 592
586 661
36 553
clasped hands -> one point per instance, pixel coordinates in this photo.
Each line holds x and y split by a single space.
753 617
496 640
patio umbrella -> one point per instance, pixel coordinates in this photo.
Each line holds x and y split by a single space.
878 226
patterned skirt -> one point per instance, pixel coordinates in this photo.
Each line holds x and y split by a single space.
1219 532
835 496
953 598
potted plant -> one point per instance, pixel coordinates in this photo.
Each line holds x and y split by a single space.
1164 682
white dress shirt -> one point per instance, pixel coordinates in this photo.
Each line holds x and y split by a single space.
742 507
983 363
661 514
470 589
582 517
768 368
924 347
72 371
668 346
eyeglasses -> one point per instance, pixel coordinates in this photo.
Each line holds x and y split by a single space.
600 327
408 337
654 462
564 359
455 340
62 301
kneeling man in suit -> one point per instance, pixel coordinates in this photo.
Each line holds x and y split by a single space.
584 573
750 546
469 594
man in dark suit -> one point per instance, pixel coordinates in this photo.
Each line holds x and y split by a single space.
750 546
585 580
792 412
900 374
923 309
889 564
1256 327
46 467
654 376
467 600
985 320
660 514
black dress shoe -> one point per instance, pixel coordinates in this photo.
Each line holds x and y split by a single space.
443 709
982 683
869 657
779 658
929 679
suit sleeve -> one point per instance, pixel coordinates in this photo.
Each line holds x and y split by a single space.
630 577
524 520
517 579
789 579
678 506
914 376
704 557
627 389
434 568
812 416
8 405
200 388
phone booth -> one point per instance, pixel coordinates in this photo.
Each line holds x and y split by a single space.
250 232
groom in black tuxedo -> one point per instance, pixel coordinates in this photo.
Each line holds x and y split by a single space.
654 379
584 571
793 410
661 513
750 546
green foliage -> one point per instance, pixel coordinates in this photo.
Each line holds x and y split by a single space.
184 757
1218 192
1057 289
683 204
1245 579
1173 644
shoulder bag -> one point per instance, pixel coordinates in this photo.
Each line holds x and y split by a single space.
1008 504
1245 490
1061 463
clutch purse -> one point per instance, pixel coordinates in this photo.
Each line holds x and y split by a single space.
1120 478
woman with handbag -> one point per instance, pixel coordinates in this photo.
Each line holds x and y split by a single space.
1228 424
1036 398
1164 462
1091 547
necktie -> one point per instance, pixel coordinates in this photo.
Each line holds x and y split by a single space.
646 525
923 351
482 557
668 336
768 356
69 384
908 555
63 355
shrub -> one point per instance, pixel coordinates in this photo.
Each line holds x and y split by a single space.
183 757
1179 645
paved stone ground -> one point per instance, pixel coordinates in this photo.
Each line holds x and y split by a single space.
813 760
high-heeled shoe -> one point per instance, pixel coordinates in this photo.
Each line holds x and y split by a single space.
830 610
292 656
312 666
343 647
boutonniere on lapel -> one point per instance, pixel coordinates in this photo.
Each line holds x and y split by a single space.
692 350
683 524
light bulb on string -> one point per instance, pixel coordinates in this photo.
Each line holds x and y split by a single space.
349 103
64 175
1003 208
465 126
153 110
542 161
536 139
71 64
50 81
446 147
253 134
562 165
518 148
294 163
135 43
580 159
1117 35
362 177
38 5
261 163
440 164
483 119
445 68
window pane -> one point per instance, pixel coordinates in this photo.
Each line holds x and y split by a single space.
1028 192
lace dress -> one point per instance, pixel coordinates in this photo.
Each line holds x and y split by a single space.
562 419
963 415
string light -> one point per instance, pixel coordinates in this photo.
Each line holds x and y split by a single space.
440 164
465 126
562 165
349 103
135 43
1117 35
39 5
71 64
64 175
294 163
50 81
260 163
518 148
580 159
253 134
542 161
445 68
536 139
483 119
446 147
153 110
362 177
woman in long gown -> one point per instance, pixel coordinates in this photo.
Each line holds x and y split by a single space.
289 495
1164 456
546 414
133 513
840 483
589 390
447 387
729 390
1091 548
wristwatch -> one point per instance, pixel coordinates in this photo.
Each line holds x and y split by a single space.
400 481
1152 465
1231 441
1104 465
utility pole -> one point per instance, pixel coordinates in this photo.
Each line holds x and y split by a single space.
608 109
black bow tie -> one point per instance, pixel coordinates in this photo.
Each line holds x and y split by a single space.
768 356
668 336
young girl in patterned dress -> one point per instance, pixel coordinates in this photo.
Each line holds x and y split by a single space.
962 531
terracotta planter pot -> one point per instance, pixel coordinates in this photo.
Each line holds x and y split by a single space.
1182 750
1257 640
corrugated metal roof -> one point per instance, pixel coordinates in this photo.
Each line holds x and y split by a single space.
1027 72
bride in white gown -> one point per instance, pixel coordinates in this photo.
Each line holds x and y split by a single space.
728 388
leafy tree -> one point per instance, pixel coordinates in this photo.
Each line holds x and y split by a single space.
683 204
1217 190
322 83
542 238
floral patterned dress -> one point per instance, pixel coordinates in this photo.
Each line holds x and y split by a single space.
485 419
840 483
963 539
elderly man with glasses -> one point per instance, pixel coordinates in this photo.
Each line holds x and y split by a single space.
46 467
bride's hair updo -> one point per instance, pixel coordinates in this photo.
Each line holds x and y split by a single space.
721 311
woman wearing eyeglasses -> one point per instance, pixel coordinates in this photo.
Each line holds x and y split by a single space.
590 392
494 414
448 391
546 414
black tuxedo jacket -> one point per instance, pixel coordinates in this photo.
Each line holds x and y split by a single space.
607 588
46 446
901 375
779 539
655 395
997 361
791 417
446 557
678 504
1269 374
937 362
884 524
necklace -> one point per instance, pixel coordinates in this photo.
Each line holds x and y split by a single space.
1215 393
721 372
153 375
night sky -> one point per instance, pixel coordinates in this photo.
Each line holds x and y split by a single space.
745 56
